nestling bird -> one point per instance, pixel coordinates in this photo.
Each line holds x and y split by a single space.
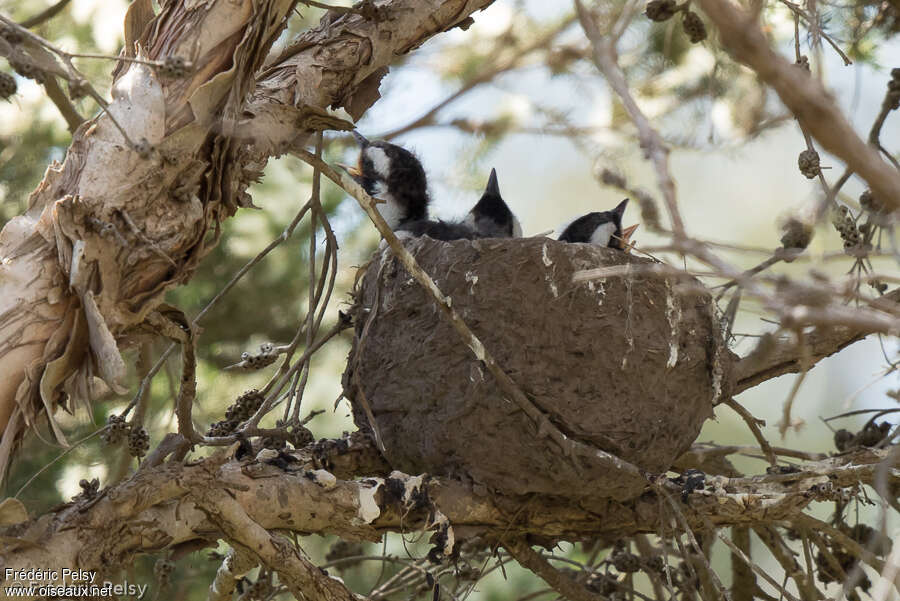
602 228
491 217
395 177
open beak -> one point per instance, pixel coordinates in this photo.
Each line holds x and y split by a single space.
353 171
626 237
357 175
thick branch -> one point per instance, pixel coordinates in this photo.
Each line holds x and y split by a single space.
786 357
804 96
162 507
558 581
162 196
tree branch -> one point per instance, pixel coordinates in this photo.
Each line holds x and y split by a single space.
804 96
786 357
196 168
561 583
159 508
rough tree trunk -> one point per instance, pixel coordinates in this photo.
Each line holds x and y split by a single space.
118 223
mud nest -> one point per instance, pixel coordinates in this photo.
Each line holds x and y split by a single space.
629 364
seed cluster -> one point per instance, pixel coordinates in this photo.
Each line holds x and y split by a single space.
9 34
871 204
117 430
893 95
845 225
808 162
661 10
163 569
797 234
693 27
691 23
8 85
138 441
241 410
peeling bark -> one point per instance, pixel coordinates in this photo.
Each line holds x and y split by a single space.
174 504
123 220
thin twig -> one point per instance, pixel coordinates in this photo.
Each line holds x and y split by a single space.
754 428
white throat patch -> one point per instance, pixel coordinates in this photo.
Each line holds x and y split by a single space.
380 161
517 228
603 234
390 210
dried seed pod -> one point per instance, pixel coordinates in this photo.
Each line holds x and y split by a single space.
8 85
661 10
797 234
273 442
868 202
138 441
301 436
693 26
117 429
244 406
9 34
222 428
88 489
893 95
808 162
163 569
625 562
845 225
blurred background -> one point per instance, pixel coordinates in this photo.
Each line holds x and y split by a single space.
534 107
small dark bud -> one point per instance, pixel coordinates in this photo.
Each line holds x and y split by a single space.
803 63
9 34
797 234
808 162
8 85
661 10
625 562
868 201
693 26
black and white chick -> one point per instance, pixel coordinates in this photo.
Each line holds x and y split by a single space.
395 177
491 217
603 228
